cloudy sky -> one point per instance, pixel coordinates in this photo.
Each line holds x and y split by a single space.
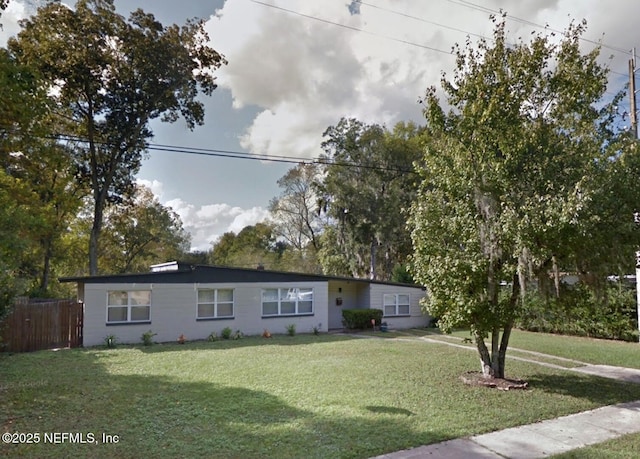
298 66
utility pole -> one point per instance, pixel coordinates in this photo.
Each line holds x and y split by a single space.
636 219
632 93
634 130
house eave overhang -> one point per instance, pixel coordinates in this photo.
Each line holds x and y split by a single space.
218 274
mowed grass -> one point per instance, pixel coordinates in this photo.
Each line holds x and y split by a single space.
588 350
287 397
625 447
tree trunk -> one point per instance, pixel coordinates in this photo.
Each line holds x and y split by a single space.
495 352
46 266
556 275
506 333
522 273
485 357
94 236
372 262
502 353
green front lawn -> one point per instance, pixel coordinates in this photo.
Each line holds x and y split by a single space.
625 447
588 350
303 396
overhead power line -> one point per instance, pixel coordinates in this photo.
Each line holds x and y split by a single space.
484 9
475 6
463 3
426 21
492 11
248 156
356 29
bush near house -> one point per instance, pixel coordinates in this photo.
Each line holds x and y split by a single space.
361 318
226 333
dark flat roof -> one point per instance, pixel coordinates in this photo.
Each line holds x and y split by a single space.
216 274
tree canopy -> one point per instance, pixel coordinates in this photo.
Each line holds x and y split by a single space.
512 178
141 232
255 245
109 78
367 186
295 210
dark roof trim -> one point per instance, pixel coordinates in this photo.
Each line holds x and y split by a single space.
217 274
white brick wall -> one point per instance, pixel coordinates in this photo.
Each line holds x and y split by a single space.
416 317
174 308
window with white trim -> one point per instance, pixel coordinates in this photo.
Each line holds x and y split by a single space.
396 304
287 301
215 303
128 306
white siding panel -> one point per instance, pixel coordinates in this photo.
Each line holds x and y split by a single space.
416 317
95 315
364 296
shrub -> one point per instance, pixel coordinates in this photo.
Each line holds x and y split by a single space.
579 311
110 341
212 337
291 329
361 318
182 339
7 295
316 330
237 335
147 338
226 333
266 333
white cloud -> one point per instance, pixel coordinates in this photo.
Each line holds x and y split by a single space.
306 74
9 19
248 217
207 223
156 187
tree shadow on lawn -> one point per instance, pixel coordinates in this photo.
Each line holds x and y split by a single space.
599 390
158 416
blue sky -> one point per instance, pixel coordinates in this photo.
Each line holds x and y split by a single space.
290 76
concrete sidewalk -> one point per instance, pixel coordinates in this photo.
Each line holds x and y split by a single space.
541 439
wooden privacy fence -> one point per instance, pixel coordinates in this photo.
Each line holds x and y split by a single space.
35 325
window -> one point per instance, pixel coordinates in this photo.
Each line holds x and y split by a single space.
128 306
396 304
215 303
287 301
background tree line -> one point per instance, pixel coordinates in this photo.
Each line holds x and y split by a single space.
343 214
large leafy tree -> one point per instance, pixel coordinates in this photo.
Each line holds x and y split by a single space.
255 245
368 184
111 77
295 210
17 86
45 168
141 232
510 178
296 219
38 179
